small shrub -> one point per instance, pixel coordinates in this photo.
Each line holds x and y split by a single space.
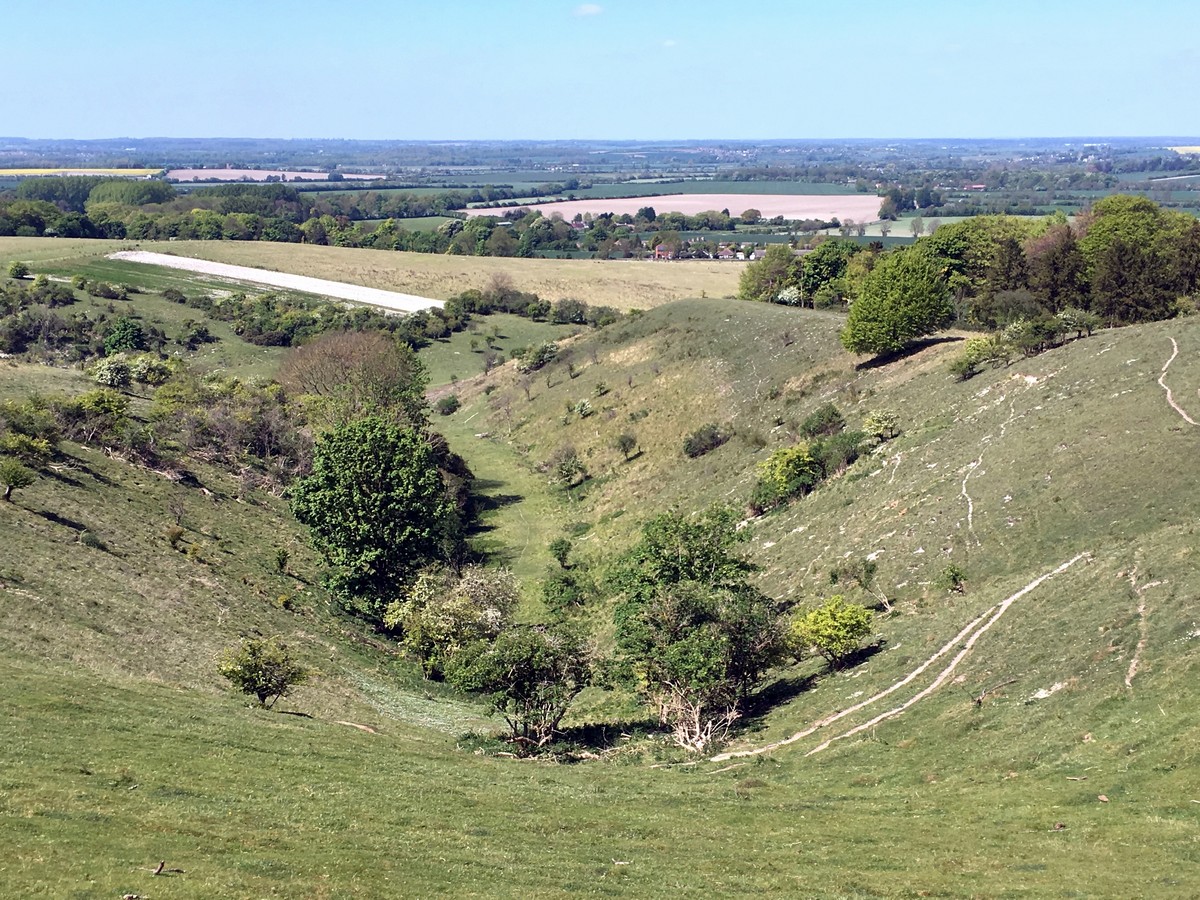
563 592
952 579
174 295
448 404
14 476
789 296
826 420
535 358
149 369
113 372
18 269
786 473
583 409
962 367
703 440
560 549
839 451
79 282
282 555
264 668
835 630
882 424
174 534
566 467
90 539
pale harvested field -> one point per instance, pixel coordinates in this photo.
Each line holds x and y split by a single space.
624 284
255 175
128 173
859 207
339 290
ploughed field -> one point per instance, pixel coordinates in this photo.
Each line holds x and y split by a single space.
859 207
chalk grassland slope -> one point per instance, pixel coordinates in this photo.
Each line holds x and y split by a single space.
1008 476
121 748
91 580
625 284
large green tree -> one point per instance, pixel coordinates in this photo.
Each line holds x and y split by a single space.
765 278
378 510
530 675
692 634
903 298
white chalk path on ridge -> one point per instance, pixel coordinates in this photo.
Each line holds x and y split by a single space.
339 290
1170 398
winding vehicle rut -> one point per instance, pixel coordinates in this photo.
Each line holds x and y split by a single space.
1163 384
971 633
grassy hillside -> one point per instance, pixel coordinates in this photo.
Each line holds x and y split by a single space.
1041 738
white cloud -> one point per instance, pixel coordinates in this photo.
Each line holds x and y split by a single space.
589 9
670 42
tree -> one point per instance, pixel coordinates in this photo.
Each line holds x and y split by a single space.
881 424
904 297
18 269
696 651
1057 274
444 612
378 511
751 216
786 473
530 675
126 334
825 420
626 443
14 476
765 278
835 630
345 375
263 667
112 371
692 634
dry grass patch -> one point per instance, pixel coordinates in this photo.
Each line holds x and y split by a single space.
625 284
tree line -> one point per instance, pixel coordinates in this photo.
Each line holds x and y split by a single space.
1125 260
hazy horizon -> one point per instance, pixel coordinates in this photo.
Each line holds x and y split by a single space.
618 70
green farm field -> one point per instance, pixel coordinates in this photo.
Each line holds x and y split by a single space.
414 223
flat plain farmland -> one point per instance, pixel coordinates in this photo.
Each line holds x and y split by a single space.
859 207
258 175
624 284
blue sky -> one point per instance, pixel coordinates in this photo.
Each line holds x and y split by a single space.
620 69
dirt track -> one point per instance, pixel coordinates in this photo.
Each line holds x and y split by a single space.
339 290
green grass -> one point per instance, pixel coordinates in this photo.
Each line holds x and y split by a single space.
122 747
453 358
103 778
